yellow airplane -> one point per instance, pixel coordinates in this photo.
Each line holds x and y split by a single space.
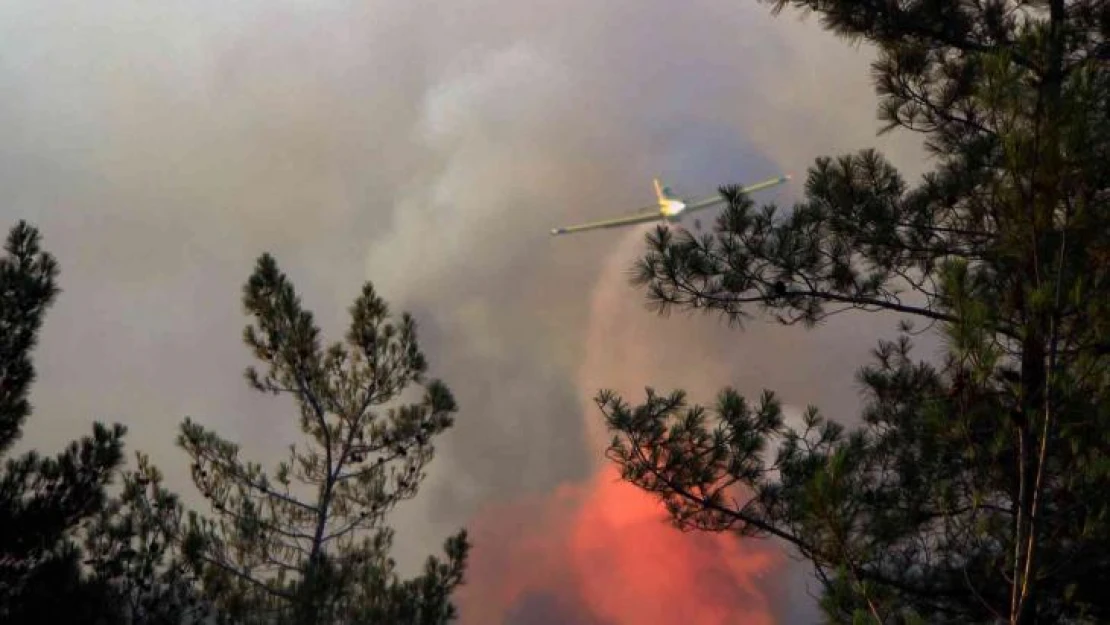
668 207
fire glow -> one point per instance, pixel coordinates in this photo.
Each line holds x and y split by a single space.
604 550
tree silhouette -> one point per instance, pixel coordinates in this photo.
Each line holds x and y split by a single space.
976 488
307 543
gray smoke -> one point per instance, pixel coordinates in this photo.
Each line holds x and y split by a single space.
427 147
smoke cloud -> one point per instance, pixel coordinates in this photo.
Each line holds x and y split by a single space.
428 147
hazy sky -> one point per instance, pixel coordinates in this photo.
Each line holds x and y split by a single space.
429 148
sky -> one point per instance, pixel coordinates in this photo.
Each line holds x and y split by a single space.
429 148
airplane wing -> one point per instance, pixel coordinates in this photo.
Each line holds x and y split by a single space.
720 199
647 214
610 223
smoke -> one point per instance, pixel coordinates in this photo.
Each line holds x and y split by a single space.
429 148
608 541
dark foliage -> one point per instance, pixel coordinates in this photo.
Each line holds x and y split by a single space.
976 488
43 500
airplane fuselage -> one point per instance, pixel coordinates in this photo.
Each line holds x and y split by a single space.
671 208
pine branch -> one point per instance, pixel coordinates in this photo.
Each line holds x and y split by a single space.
227 568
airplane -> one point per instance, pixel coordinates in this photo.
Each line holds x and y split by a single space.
668 207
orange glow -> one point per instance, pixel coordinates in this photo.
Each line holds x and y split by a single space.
606 548
634 568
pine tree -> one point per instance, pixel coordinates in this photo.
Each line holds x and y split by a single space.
43 501
131 553
977 488
307 543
